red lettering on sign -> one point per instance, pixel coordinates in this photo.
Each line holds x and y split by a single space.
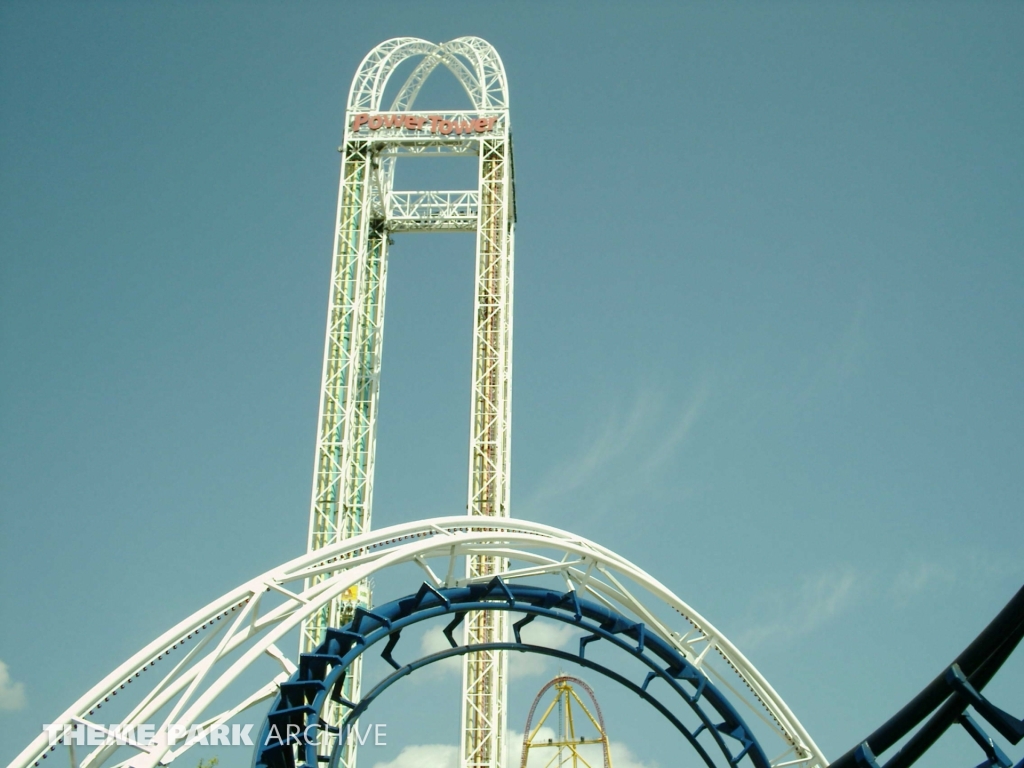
437 123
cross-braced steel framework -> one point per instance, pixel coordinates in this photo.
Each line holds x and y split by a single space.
566 743
200 674
198 677
369 209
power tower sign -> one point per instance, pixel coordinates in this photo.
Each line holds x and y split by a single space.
369 209
445 125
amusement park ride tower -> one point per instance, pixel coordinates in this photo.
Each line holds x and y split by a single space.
369 210
190 685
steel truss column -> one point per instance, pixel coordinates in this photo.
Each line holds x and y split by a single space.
343 474
368 209
485 679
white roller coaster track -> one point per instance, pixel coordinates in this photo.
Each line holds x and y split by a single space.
177 678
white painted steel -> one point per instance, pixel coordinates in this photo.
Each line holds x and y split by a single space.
220 642
433 211
369 209
485 674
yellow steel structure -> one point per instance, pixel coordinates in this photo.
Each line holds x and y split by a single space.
566 743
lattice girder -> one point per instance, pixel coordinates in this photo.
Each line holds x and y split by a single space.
369 210
192 667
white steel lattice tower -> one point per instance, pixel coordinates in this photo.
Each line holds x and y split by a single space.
369 209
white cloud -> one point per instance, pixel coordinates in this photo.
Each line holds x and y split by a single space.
434 641
546 633
12 694
514 752
623 757
447 755
425 756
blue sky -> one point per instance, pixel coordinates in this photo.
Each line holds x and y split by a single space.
769 301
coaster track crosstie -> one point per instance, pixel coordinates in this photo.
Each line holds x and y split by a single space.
198 675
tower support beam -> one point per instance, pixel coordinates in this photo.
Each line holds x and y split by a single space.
484 675
369 209
343 470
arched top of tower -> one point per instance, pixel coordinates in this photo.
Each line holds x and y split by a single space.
565 692
473 61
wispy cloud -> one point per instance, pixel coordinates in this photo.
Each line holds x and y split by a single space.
679 429
637 440
917 576
595 455
813 602
816 599
12 694
964 570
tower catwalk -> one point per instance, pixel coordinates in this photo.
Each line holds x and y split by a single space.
369 210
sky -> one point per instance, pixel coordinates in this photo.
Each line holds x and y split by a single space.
768 327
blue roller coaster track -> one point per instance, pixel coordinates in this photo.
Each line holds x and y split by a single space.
289 734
